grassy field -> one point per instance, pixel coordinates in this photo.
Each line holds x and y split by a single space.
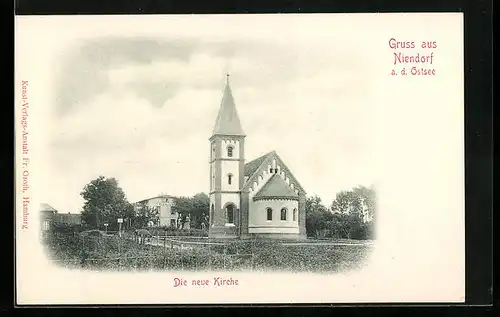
113 253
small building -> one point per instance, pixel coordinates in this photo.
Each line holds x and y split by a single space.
163 205
47 213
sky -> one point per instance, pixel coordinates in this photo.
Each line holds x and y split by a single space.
140 108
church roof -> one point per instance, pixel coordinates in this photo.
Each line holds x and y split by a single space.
252 166
228 122
276 187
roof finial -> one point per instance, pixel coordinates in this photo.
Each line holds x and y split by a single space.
227 78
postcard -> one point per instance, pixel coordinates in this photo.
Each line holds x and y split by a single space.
250 159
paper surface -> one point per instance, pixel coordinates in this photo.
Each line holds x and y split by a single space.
136 97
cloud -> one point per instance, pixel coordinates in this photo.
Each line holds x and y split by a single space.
83 70
141 110
156 69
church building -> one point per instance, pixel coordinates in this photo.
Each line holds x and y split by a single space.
261 198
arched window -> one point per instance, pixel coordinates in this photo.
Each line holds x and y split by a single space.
229 178
269 214
212 214
229 151
283 213
294 214
230 214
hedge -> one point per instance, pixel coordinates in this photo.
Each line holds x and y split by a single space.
115 253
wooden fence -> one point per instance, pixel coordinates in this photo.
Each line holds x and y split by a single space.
161 252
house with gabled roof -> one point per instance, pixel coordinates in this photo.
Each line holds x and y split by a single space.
163 205
261 198
49 214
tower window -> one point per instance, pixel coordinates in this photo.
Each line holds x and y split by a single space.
229 151
294 214
230 214
271 170
269 214
229 178
283 213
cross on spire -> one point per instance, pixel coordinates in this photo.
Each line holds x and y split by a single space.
227 78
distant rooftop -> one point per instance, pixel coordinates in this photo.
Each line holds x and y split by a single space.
158 196
47 207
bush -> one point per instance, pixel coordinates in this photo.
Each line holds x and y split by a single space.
113 253
65 228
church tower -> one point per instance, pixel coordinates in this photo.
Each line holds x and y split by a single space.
227 164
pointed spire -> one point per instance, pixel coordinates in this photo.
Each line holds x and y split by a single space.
228 122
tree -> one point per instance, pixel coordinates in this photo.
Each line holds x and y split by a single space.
183 207
368 199
144 214
347 202
105 202
199 212
348 214
196 208
352 209
317 217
